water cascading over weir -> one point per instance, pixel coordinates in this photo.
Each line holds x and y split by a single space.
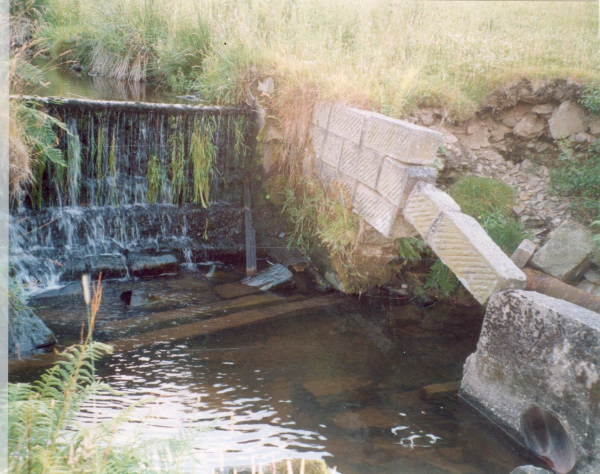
142 186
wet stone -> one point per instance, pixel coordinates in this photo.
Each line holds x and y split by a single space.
71 289
274 277
146 265
529 470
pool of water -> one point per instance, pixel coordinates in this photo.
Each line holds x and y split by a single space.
339 381
61 81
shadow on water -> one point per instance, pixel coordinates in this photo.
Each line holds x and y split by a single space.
340 382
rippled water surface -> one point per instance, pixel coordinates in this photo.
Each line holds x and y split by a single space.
338 382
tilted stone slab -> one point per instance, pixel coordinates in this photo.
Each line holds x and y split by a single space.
332 150
538 351
369 205
321 112
425 203
397 180
479 264
347 122
401 140
360 163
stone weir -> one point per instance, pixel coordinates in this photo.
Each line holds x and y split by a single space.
141 188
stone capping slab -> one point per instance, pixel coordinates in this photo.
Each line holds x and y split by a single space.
424 205
542 351
401 140
369 205
479 264
347 122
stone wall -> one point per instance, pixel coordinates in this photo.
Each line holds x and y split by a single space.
374 159
384 170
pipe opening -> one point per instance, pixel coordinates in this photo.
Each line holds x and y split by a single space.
545 435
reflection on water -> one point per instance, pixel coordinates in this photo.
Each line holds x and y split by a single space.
340 383
63 82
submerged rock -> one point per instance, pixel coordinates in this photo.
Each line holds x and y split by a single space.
71 289
27 332
271 278
146 265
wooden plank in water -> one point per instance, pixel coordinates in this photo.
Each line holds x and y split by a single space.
224 305
209 326
234 290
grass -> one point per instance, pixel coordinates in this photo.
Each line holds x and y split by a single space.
389 56
490 202
319 220
577 176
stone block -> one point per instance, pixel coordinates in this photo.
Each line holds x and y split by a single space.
565 255
146 265
425 204
317 137
321 112
369 205
347 122
397 180
335 181
401 140
530 126
479 264
361 164
332 150
567 120
523 253
536 373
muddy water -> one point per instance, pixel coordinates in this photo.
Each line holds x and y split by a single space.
339 381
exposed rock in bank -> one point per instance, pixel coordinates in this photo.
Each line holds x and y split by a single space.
71 289
27 332
536 374
567 120
146 265
565 255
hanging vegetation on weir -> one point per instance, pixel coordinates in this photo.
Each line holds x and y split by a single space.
118 157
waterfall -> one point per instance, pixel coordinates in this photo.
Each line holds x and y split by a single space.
134 180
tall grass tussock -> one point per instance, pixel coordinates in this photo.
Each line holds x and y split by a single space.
389 56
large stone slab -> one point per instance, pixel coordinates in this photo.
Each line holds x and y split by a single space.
537 370
479 264
347 122
425 203
565 255
401 140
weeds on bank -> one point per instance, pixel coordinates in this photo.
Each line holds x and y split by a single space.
490 202
577 176
45 437
392 56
